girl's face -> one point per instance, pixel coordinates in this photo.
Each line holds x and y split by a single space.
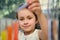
26 20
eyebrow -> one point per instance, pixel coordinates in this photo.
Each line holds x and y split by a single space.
27 16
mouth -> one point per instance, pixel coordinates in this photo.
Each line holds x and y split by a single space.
26 26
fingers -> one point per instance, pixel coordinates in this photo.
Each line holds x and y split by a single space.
33 5
32 1
35 8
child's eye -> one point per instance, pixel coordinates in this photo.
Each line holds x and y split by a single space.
30 18
21 19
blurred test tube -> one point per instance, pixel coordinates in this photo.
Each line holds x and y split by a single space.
3 29
9 29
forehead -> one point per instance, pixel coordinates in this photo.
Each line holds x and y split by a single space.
25 12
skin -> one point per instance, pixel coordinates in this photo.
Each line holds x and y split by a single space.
33 6
55 33
27 21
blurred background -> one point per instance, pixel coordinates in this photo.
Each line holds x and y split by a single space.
50 8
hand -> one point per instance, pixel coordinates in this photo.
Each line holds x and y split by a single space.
34 5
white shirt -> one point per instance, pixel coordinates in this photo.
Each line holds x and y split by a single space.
32 36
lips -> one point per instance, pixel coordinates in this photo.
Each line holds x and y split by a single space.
26 26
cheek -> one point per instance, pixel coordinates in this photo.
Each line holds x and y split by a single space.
32 22
20 23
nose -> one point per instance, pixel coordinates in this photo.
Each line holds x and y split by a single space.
25 22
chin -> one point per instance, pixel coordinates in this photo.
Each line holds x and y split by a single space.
27 30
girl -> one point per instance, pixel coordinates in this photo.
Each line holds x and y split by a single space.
28 17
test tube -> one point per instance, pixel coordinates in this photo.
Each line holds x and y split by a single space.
3 29
15 26
9 29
